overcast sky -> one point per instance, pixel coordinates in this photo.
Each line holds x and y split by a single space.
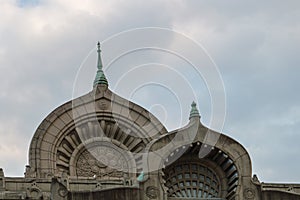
255 46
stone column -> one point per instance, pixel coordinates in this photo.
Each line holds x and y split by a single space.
2 180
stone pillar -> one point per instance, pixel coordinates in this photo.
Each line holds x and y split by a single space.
151 188
59 189
2 180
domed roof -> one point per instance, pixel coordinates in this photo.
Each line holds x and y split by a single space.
199 144
101 116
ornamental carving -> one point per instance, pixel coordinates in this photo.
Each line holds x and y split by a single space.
152 192
103 104
63 192
101 161
249 193
34 192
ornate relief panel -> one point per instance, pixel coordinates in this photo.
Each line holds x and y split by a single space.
101 161
78 158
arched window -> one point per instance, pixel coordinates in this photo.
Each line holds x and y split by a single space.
192 180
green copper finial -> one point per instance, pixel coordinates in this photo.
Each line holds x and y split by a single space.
194 111
99 64
100 76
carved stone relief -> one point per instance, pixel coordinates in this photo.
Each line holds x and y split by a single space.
29 172
34 192
103 104
249 193
59 189
101 161
152 192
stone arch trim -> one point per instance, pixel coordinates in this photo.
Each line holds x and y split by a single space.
61 122
228 148
186 136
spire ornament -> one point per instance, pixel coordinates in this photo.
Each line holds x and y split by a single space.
194 111
100 76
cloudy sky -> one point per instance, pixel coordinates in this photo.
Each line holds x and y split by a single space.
254 47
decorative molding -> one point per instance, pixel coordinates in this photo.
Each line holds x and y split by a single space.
290 189
29 172
152 192
249 193
59 188
101 161
103 104
2 180
34 192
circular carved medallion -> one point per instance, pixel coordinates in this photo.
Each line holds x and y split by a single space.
249 193
62 192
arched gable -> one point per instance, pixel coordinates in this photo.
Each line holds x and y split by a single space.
195 139
98 115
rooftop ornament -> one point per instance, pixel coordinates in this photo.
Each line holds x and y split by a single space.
194 111
100 76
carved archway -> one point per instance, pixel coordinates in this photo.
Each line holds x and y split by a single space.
99 113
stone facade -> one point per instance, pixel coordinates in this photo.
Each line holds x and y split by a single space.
102 146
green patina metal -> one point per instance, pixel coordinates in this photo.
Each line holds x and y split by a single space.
100 76
194 111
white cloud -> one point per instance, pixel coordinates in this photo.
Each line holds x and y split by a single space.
13 149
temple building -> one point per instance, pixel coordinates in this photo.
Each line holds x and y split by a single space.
102 146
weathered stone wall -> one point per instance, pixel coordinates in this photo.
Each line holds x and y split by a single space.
112 194
274 195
